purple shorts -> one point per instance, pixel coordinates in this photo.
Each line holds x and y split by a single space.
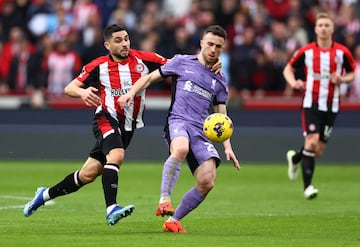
200 149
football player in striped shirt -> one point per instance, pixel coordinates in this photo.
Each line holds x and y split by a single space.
326 64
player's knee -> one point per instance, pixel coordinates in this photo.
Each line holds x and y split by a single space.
311 145
319 153
116 156
206 184
180 153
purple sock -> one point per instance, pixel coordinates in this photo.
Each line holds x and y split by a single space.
190 201
170 175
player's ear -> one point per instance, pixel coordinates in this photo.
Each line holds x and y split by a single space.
107 45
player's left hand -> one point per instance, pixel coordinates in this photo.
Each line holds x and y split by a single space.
336 78
231 156
125 100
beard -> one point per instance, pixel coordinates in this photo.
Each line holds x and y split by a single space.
120 57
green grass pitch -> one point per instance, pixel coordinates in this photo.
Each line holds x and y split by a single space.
256 206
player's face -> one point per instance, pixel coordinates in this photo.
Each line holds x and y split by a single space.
324 28
211 47
119 45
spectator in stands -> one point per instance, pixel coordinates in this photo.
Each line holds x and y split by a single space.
124 15
93 49
3 86
243 63
15 56
354 92
169 24
235 30
37 74
296 30
278 47
277 9
148 22
37 18
59 22
62 64
13 13
83 11
225 11
178 10
260 79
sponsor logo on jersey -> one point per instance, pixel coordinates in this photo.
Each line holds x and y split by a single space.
119 92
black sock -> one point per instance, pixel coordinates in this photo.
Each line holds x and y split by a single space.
69 184
308 166
110 183
297 157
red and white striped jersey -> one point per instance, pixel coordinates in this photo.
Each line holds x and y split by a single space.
114 79
319 64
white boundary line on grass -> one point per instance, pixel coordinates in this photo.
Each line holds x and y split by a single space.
21 198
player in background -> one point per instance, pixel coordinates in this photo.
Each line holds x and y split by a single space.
113 127
327 64
194 90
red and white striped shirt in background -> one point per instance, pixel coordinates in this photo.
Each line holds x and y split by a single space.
319 65
116 78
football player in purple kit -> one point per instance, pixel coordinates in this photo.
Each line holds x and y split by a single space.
194 90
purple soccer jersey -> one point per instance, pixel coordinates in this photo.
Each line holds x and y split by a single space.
195 90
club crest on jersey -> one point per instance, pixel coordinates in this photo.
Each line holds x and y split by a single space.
213 83
139 67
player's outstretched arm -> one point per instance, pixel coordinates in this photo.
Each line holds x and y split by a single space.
142 83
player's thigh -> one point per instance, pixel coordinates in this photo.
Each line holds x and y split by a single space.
179 147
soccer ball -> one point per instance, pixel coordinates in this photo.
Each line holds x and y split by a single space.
218 127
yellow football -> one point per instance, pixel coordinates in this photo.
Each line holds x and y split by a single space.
218 127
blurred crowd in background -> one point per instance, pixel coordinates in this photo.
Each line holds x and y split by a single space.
44 43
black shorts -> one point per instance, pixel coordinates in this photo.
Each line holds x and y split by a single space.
114 137
315 121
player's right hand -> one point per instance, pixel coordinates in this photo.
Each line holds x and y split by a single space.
90 97
299 85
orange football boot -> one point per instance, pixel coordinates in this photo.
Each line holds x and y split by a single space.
173 227
165 208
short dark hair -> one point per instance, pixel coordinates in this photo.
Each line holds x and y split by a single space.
216 30
112 29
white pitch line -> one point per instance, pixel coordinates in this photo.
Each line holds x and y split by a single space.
11 207
16 197
22 198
